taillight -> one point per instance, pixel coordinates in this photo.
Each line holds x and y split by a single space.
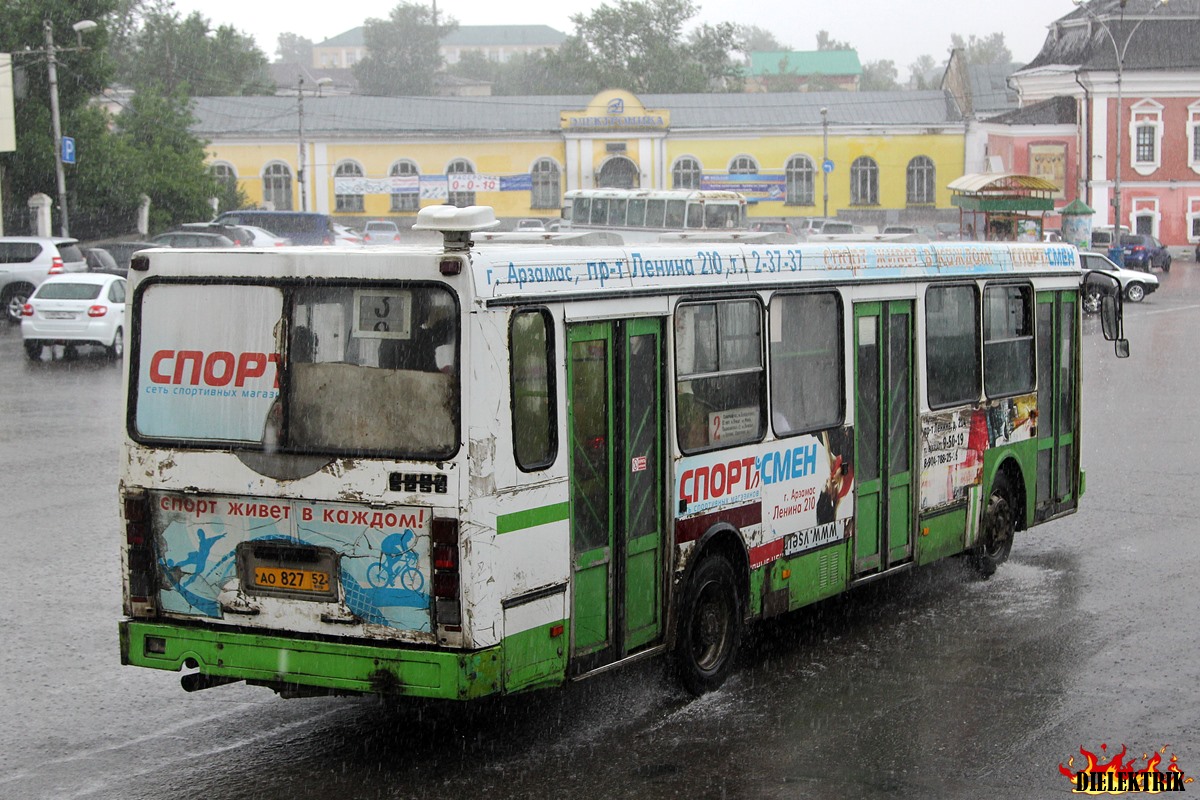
56 265
444 534
327 240
139 550
27 310
97 311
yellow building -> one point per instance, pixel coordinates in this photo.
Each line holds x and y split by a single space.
887 156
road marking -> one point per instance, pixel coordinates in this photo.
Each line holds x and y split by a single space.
1169 310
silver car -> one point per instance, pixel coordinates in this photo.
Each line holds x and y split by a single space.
26 261
1135 284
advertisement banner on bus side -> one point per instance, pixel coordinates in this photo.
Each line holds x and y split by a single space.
802 484
380 556
953 444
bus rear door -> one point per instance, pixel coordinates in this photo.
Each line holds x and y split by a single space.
615 419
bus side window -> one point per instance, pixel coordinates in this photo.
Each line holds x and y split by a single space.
531 374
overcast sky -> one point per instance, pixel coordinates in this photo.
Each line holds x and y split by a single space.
878 29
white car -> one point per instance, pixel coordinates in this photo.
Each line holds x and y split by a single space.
381 232
264 238
1135 284
75 309
530 225
344 236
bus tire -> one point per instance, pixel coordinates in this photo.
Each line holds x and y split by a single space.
998 526
710 626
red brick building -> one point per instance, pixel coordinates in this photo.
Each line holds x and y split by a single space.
1069 113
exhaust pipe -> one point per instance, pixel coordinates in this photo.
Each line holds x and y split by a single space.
195 681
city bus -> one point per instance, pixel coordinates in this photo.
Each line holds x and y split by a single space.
643 215
466 469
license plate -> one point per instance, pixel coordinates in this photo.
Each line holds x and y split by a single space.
280 569
60 315
296 580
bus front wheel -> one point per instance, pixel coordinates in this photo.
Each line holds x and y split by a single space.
710 627
997 529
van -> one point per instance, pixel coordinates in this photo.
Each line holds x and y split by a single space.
1102 238
301 227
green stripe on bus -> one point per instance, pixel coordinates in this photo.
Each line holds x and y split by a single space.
531 518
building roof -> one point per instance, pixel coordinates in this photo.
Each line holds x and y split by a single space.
504 36
1060 110
805 62
990 92
471 36
360 116
1164 38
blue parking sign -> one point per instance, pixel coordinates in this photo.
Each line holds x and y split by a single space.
68 150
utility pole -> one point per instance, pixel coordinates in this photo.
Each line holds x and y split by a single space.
824 161
52 69
300 162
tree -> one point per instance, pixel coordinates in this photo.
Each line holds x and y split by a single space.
171 54
402 52
170 162
293 49
639 45
990 49
753 39
918 70
879 76
824 42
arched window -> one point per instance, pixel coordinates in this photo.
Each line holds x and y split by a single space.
545 185
743 165
864 182
277 186
920 181
799 174
686 174
460 166
408 199
224 173
347 201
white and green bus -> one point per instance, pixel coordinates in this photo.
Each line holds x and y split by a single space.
645 215
454 471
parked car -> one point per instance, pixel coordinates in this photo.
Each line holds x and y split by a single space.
1143 251
345 236
240 236
906 230
530 225
381 232
100 260
840 228
773 226
302 227
73 310
1102 238
1135 284
191 239
261 237
948 231
123 252
26 261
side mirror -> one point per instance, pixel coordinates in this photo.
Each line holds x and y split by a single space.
1101 293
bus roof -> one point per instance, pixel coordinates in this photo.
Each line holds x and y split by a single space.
657 194
512 273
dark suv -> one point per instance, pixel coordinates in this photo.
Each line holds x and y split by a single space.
1144 252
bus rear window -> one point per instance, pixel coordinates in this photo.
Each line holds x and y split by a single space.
337 369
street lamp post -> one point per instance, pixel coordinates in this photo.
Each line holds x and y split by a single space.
52 74
824 160
300 162
1116 252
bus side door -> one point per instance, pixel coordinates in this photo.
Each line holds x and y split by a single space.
883 413
1057 376
617 475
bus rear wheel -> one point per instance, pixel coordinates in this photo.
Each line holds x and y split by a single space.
710 627
997 529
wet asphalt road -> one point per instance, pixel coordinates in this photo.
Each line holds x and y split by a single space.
933 684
